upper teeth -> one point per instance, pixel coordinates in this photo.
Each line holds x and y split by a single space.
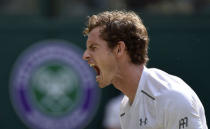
91 65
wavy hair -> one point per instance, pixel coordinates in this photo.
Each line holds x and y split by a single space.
124 26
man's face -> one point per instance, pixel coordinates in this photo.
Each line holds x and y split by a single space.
100 57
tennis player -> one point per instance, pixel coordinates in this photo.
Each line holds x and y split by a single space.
117 48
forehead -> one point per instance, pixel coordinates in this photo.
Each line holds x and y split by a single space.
94 37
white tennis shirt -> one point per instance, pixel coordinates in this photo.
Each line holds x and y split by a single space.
162 101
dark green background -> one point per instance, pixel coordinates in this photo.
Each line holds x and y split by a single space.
179 45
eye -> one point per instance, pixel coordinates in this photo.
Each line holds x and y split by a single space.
92 48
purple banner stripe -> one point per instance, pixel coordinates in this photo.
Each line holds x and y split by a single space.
87 99
24 101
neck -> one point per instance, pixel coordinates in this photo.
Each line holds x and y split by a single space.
127 80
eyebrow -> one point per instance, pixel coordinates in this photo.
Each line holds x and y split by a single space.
92 44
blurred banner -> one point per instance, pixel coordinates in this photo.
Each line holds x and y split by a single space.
53 88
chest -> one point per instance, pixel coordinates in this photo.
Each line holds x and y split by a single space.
142 115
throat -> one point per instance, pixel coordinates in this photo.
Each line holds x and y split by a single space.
129 83
129 89
131 99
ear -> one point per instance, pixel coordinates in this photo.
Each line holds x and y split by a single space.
120 48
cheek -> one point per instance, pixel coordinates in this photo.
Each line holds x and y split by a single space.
105 60
108 65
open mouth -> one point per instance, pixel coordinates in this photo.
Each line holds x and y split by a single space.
96 69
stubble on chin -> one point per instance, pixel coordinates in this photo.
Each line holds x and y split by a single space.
103 84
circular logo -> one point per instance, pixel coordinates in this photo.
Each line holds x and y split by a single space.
53 88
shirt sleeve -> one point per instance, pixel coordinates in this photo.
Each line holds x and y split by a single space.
183 113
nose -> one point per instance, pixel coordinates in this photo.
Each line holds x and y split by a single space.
86 55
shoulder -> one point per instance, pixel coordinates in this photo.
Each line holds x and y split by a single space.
159 83
168 89
177 107
174 99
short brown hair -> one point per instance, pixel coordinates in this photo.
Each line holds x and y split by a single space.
122 26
